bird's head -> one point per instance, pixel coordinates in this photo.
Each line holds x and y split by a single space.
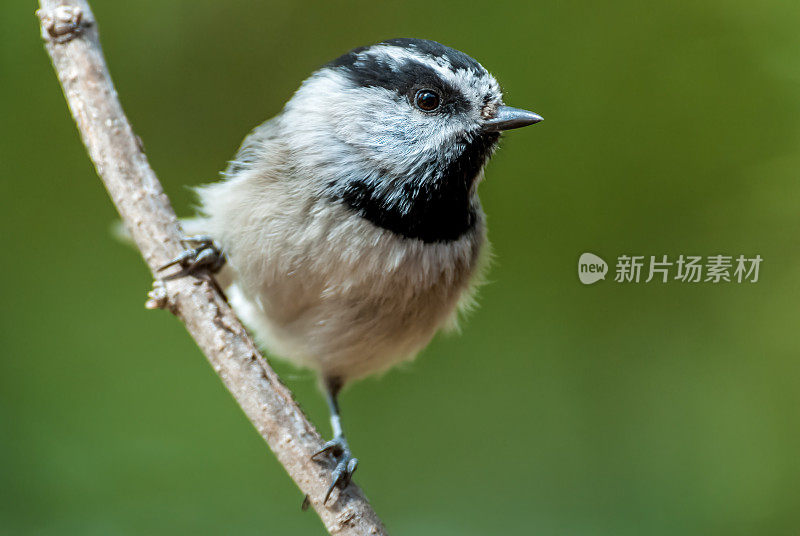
400 131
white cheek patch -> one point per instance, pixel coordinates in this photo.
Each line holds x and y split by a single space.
374 134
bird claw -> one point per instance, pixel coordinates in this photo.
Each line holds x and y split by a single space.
203 253
346 464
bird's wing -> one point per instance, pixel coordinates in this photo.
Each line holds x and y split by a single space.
251 149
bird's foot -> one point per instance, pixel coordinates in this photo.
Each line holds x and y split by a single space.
338 451
202 253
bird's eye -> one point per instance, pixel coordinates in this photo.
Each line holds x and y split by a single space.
427 100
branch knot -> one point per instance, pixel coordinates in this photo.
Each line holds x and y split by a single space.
62 24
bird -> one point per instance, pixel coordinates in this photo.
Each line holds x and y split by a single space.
348 230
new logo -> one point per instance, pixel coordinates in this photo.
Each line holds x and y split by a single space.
591 268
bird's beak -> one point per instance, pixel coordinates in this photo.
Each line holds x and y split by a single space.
507 118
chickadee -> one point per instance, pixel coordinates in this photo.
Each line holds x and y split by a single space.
350 222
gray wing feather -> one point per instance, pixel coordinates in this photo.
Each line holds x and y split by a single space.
250 150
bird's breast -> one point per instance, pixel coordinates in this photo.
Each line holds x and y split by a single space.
343 295
324 287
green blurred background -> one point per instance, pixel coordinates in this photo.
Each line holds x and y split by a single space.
561 409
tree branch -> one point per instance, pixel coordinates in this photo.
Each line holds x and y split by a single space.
70 33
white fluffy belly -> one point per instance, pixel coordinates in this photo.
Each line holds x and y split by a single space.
350 310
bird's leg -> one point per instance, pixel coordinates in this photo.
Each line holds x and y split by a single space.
202 253
337 448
